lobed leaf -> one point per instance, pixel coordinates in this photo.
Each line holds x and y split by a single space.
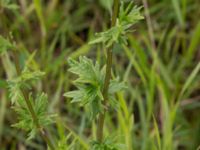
28 75
14 90
117 34
23 81
89 85
116 86
24 116
86 71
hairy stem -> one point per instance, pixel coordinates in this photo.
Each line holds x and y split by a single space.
41 130
100 121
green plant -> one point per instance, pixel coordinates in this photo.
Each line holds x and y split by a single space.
96 88
31 110
159 108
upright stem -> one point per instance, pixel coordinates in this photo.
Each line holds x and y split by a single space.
41 130
100 121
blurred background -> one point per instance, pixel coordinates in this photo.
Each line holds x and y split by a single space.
156 65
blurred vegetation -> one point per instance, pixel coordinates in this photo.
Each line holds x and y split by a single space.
160 65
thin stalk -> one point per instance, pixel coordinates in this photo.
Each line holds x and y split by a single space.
149 24
100 121
41 130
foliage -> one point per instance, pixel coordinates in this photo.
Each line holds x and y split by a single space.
90 84
24 116
31 111
22 81
39 103
117 34
160 66
4 45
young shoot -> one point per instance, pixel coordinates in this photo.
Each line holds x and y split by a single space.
95 87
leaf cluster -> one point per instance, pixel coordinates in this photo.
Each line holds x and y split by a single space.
23 81
127 17
24 116
90 85
39 103
5 45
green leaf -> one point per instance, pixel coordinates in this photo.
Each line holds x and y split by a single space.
116 86
40 107
117 34
75 95
23 81
189 80
28 75
130 15
14 90
89 84
4 45
87 72
24 116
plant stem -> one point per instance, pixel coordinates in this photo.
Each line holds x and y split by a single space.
100 121
41 130
149 24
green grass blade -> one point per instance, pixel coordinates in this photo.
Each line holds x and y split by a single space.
189 80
